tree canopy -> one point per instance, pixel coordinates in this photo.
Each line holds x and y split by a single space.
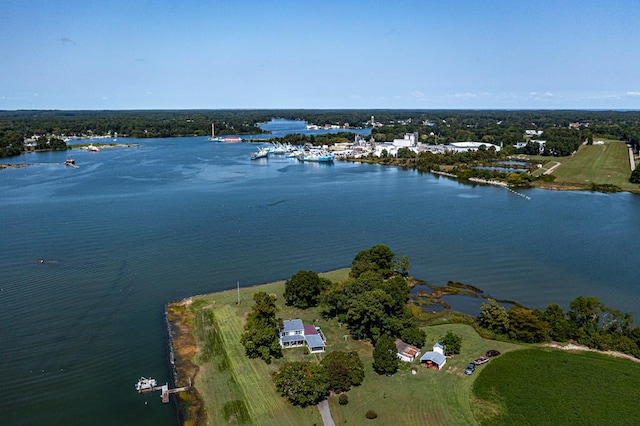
302 383
260 336
344 369
588 321
385 359
378 258
303 289
451 342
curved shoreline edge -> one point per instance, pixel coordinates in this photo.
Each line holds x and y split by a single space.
182 348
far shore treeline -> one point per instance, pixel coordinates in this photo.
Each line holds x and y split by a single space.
564 130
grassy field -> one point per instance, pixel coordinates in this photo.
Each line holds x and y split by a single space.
548 386
599 164
428 397
522 386
236 389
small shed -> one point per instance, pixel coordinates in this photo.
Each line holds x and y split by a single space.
434 359
406 352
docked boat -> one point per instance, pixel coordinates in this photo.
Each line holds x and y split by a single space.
223 139
93 148
145 384
260 153
316 155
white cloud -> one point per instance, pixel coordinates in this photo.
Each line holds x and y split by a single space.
466 95
417 94
633 93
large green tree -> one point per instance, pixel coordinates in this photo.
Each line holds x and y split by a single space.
302 383
260 336
303 289
525 326
385 358
344 369
559 328
494 317
369 315
451 342
584 313
378 258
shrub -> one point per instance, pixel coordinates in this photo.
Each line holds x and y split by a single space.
343 399
371 415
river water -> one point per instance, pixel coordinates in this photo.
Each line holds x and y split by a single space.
133 228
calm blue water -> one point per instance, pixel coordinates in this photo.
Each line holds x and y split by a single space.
280 127
134 228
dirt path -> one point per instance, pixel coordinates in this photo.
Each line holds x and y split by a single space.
574 347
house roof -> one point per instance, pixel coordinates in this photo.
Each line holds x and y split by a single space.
406 349
292 325
436 357
314 341
292 338
309 329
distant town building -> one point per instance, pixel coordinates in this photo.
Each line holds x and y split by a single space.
409 140
469 146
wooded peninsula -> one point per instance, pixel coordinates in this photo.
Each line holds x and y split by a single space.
249 364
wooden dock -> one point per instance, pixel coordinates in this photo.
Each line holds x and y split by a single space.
165 391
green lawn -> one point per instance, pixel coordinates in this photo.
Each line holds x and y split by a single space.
549 386
249 381
514 388
428 397
600 164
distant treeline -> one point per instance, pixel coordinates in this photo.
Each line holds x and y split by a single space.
434 126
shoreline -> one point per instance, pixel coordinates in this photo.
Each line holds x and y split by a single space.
181 324
182 349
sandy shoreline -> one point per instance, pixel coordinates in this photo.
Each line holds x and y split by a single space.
574 347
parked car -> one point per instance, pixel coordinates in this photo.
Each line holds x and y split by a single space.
470 368
481 360
492 353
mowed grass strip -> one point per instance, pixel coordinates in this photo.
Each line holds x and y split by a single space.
599 164
246 379
550 386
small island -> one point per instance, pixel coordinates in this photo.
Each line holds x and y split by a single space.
247 353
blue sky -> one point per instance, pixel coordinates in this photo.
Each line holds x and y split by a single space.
143 54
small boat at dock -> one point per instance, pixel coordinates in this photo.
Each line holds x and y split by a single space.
145 384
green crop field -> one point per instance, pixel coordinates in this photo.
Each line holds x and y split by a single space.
599 164
550 386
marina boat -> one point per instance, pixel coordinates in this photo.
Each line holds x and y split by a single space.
261 153
93 148
224 139
316 155
145 384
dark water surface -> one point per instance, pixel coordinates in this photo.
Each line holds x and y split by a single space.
134 228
